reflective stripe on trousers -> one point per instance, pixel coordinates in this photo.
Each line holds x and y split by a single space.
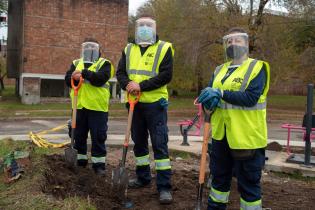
163 164
82 157
98 159
256 205
218 196
143 160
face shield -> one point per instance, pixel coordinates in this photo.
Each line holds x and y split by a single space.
145 33
90 52
235 46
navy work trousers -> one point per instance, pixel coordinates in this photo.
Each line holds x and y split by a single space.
96 123
247 172
151 118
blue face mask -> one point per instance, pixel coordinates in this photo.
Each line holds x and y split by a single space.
145 33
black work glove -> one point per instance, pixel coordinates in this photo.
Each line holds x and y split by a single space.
86 74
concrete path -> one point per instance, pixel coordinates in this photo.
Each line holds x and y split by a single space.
19 129
13 127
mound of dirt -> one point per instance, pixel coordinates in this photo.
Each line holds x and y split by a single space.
62 182
274 146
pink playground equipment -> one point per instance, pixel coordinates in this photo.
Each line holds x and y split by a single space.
302 129
308 126
186 125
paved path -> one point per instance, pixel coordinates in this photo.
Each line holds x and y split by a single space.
19 129
23 127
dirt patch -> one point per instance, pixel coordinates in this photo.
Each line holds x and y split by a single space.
274 146
301 150
61 182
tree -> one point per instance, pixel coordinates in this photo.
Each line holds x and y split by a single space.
2 73
3 6
196 27
193 26
3 9
254 22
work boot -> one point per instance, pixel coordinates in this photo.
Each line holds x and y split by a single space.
165 197
82 163
99 171
136 184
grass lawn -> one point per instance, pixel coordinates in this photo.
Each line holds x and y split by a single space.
10 106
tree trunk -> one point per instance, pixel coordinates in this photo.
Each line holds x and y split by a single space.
199 83
2 82
198 72
255 23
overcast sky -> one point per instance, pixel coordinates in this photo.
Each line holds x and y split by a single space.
134 5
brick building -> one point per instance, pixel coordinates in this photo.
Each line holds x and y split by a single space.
45 36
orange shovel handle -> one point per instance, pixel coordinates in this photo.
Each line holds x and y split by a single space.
74 87
206 132
133 101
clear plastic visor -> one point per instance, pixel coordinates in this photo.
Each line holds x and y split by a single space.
145 31
90 52
235 46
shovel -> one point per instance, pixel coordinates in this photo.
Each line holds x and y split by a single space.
70 152
207 115
120 175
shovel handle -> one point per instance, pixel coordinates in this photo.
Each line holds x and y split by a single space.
74 87
207 115
196 102
133 100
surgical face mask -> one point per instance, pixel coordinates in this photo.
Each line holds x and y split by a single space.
90 52
145 33
236 51
89 56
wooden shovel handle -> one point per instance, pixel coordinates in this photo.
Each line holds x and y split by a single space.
74 87
204 149
132 102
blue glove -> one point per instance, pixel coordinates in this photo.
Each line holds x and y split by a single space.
163 103
212 103
208 94
210 98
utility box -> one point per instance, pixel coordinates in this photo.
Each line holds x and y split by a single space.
31 90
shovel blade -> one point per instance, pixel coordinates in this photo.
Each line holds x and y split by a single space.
71 156
120 179
199 197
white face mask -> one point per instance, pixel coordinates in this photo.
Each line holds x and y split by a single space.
90 52
145 33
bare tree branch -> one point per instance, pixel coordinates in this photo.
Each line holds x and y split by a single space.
255 23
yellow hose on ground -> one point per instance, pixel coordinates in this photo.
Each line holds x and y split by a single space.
39 141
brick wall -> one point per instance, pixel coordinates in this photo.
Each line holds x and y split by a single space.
55 29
